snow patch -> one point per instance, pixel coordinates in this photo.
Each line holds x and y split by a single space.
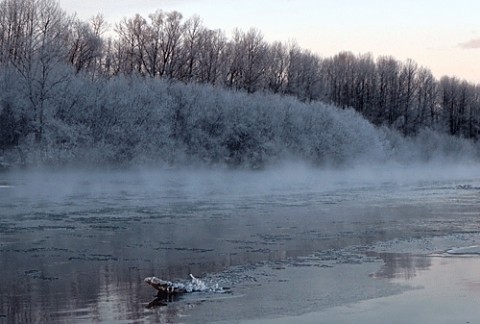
474 249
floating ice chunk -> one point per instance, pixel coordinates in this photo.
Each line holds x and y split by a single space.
4 184
474 249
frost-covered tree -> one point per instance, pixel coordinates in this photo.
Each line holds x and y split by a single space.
190 50
39 61
170 41
387 103
212 56
426 113
303 74
85 46
276 73
408 89
246 61
133 56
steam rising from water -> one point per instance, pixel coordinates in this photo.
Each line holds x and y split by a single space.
205 183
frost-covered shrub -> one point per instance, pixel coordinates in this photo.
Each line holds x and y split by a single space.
136 121
436 145
429 145
343 136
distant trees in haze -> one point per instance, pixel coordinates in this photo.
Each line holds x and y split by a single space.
54 70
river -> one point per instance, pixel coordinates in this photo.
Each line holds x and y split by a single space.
75 246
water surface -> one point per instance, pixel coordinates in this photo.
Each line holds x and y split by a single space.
75 246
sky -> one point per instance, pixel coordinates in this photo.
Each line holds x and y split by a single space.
443 35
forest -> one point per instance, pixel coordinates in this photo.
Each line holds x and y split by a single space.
166 90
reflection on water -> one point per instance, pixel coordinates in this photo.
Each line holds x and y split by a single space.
446 293
401 265
78 246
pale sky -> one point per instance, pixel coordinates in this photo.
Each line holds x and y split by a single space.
443 35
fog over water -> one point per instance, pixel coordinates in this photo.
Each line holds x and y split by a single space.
77 244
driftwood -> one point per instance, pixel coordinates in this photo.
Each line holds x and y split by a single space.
168 291
165 288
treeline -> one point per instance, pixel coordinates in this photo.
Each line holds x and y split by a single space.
131 121
54 70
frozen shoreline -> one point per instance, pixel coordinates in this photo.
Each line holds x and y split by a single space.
361 284
440 294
